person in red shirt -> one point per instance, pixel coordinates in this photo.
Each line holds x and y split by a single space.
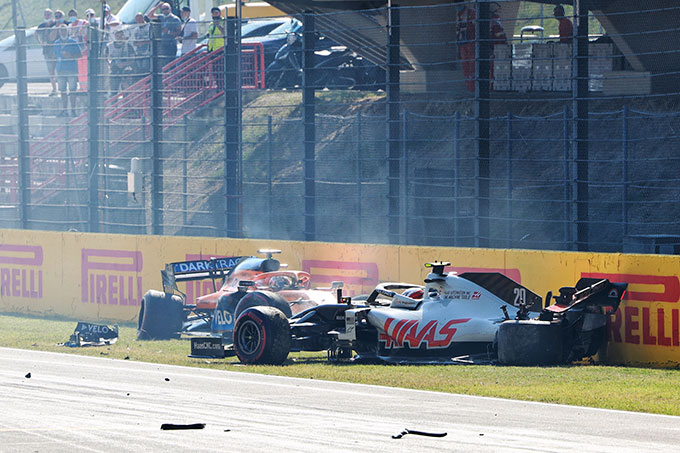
466 40
566 27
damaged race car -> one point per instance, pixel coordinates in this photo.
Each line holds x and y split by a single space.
245 281
471 317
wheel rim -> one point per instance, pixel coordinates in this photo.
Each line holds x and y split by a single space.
249 337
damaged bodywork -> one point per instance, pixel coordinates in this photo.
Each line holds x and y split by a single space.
472 314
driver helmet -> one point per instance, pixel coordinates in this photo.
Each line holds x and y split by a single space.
280 282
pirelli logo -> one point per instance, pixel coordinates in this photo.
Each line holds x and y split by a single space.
650 314
111 277
21 273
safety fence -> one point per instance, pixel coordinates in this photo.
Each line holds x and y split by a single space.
463 124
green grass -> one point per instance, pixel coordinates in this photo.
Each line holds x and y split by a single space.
631 389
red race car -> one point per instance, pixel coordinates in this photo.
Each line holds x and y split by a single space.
245 282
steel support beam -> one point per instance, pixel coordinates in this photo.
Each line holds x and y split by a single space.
156 131
232 123
23 162
482 112
309 113
93 119
393 124
580 111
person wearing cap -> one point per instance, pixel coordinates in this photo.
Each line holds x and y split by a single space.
46 35
91 18
121 56
67 52
141 41
189 33
171 26
215 44
111 21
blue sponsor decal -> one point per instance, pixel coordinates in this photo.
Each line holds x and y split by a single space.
223 320
219 264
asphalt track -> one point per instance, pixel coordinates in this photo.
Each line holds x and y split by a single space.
75 403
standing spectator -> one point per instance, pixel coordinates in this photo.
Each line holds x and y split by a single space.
121 58
111 21
141 41
566 27
467 40
189 33
67 52
46 35
79 33
91 18
171 26
215 44
78 27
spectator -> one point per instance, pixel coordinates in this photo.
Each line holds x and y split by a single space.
78 27
111 21
171 26
141 42
566 27
121 56
46 35
189 33
67 52
79 33
216 44
91 18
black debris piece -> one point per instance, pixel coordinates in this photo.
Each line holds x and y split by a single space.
127 357
167 379
28 376
171 426
417 433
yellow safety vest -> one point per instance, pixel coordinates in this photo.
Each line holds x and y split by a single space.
215 38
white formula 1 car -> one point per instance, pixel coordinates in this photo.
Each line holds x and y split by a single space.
448 320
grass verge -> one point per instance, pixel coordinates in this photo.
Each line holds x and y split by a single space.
631 389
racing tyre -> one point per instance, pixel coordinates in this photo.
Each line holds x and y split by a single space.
160 316
262 336
263 299
529 342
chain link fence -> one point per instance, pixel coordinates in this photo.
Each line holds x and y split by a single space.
462 124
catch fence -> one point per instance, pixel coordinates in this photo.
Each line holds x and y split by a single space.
411 125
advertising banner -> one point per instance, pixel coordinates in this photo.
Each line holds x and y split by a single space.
102 277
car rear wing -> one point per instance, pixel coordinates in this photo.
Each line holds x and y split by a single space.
185 271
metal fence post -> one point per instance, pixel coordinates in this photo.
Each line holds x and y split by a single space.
93 116
23 163
358 174
482 109
456 172
403 218
309 113
580 112
232 120
270 168
568 202
185 183
156 131
393 122
624 175
508 184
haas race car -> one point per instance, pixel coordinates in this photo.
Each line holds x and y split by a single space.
454 318
245 281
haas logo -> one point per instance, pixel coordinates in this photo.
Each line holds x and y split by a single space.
411 332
